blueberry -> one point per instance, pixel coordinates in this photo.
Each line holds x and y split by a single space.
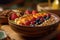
22 13
39 22
46 17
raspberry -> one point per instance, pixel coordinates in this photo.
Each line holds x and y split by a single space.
28 12
13 16
34 12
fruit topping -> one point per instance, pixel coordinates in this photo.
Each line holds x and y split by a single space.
21 13
39 23
42 19
37 20
33 22
27 23
33 19
28 12
49 15
14 16
34 12
30 18
45 16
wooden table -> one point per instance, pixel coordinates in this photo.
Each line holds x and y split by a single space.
15 36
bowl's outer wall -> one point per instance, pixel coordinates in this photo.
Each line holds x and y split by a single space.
39 31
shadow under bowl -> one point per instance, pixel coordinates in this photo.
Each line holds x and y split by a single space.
3 20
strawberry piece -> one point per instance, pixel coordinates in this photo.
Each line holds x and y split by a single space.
13 16
34 12
33 22
28 12
33 19
40 17
49 15
27 23
23 24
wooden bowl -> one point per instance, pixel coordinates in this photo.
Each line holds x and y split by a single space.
3 20
4 16
55 11
34 31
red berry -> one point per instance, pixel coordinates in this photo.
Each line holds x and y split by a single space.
40 17
13 16
28 12
33 22
33 19
23 24
49 14
34 12
27 23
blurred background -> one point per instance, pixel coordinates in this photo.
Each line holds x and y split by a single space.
20 3
47 4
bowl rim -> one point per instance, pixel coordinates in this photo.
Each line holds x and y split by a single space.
38 26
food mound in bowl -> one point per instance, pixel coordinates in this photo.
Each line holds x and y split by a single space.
32 18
